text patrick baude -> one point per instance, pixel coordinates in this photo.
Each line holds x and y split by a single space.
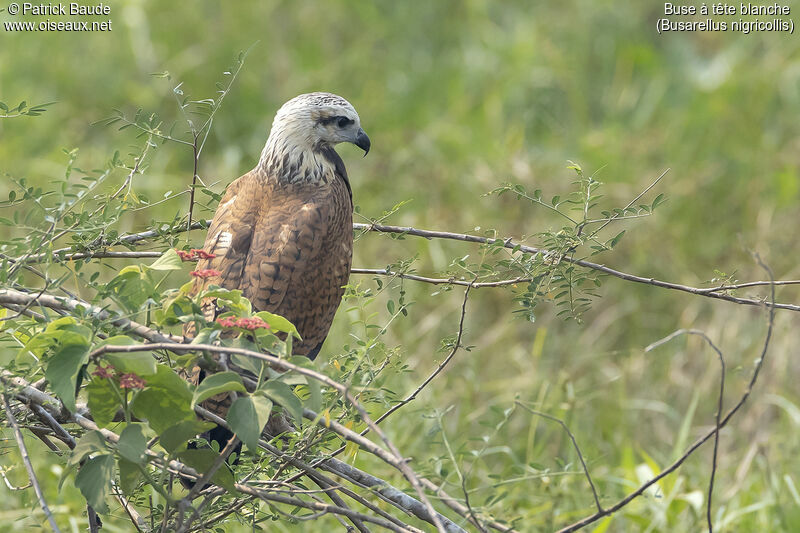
72 8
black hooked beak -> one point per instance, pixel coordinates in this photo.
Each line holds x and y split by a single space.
362 141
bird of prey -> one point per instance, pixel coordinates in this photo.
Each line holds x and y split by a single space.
283 232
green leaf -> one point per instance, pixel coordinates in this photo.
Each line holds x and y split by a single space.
616 239
91 442
131 287
202 459
169 260
129 476
102 400
313 386
167 378
175 438
132 444
247 417
139 363
62 371
93 480
282 394
278 323
245 362
216 384
165 401
160 408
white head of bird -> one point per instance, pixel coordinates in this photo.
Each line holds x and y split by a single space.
303 134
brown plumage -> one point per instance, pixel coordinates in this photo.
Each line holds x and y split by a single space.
283 232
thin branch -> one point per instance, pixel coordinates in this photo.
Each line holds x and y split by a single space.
438 369
328 484
10 296
617 216
438 281
317 506
708 341
203 481
23 451
759 363
513 245
574 445
392 457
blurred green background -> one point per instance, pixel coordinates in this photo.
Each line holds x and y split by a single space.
458 97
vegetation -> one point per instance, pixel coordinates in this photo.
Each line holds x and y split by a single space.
521 251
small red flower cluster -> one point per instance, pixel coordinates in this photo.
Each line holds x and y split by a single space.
207 273
194 254
131 381
126 381
102 372
244 323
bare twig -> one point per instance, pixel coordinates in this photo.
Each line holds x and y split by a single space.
708 341
759 363
23 451
438 369
574 445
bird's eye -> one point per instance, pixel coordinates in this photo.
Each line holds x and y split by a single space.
343 122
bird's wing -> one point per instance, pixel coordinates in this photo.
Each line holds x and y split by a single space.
285 246
229 238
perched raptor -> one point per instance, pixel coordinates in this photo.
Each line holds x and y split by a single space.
283 232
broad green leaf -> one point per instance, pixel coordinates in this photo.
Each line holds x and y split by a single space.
247 363
165 401
91 442
278 323
169 260
176 437
117 340
161 408
202 459
139 363
312 385
132 444
68 324
282 394
129 476
62 371
216 384
93 480
247 417
103 401
131 287
166 378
